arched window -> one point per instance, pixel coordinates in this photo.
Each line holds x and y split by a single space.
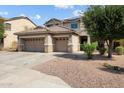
8 26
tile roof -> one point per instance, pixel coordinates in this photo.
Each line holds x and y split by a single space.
52 19
64 20
71 19
46 30
59 28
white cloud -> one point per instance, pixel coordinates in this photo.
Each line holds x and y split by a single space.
3 13
22 14
37 16
64 6
77 13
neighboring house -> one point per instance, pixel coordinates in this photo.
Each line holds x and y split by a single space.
14 25
57 35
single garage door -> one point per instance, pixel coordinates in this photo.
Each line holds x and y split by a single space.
34 44
61 44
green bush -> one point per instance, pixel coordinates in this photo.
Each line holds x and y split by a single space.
89 49
119 50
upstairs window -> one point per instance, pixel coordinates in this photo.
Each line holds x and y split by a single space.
8 26
74 25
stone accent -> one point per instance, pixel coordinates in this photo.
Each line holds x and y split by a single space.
70 49
20 45
73 43
48 44
88 39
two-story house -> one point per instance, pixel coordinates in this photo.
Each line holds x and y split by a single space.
14 25
57 35
72 23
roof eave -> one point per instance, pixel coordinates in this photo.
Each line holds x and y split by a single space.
17 18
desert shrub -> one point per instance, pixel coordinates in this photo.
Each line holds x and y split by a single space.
108 65
119 50
111 67
89 49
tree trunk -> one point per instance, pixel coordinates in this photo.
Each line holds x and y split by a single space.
110 49
101 47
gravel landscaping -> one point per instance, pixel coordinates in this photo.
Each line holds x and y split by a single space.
79 72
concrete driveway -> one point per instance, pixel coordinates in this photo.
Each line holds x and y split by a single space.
15 70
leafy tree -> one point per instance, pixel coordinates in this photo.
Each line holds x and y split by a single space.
105 23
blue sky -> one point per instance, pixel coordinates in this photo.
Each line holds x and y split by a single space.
39 14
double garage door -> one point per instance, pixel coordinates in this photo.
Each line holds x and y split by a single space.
34 44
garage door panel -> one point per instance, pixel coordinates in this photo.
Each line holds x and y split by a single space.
34 45
61 44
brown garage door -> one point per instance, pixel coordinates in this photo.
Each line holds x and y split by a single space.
61 44
34 44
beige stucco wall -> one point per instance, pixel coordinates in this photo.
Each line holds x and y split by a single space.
122 42
16 26
83 33
80 28
80 25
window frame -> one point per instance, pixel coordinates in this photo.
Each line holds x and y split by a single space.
73 23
